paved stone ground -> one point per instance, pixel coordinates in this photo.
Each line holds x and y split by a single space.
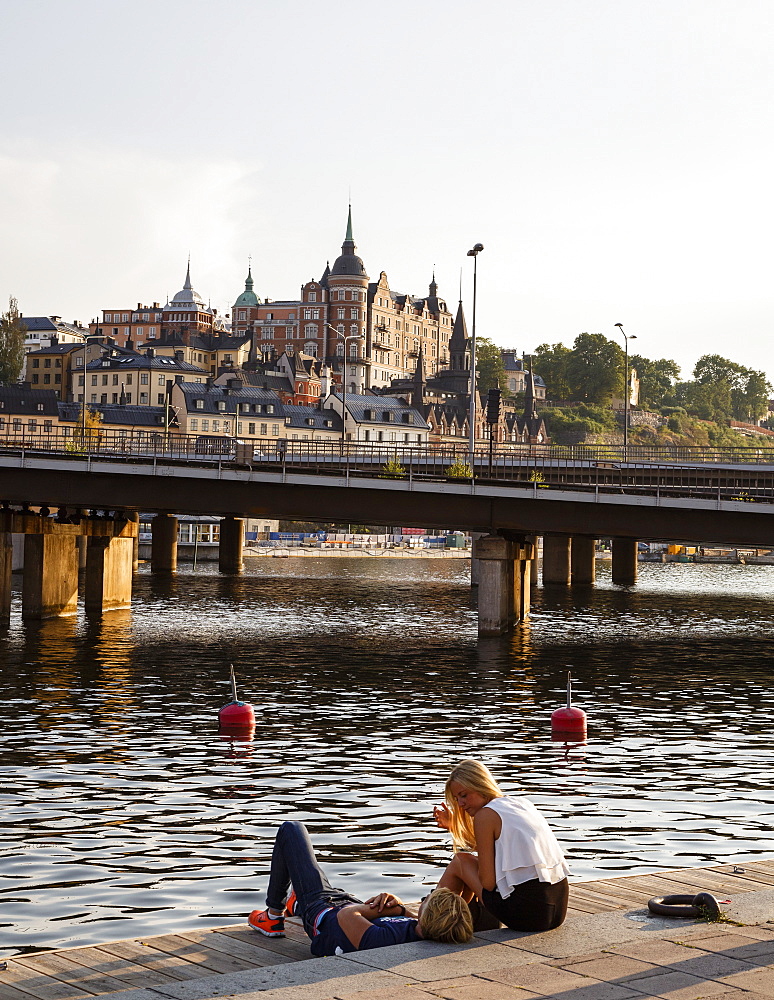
623 955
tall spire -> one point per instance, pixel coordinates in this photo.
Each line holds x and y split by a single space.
187 285
249 278
434 285
349 237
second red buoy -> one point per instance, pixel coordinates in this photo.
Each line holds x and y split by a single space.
236 714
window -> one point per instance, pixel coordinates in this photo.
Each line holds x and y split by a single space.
194 424
263 429
47 363
143 378
267 333
104 380
216 425
103 397
47 378
341 313
160 399
221 404
242 314
58 378
143 398
48 425
205 425
151 332
35 379
115 379
93 379
354 314
251 428
114 398
129 379
79 362
312 297
199 404
275 430
162 380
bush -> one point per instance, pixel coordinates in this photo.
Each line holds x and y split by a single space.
392 469
459 470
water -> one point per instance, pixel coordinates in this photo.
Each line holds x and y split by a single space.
124 813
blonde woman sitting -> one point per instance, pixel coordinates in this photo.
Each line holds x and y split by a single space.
519 872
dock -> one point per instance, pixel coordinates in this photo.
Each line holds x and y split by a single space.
165 962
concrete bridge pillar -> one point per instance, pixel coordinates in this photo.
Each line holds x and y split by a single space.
134 517
108 573
474 566
50 586
164 544
230 547
534 542
496 583
6 569
583 560
556 559
625 561
503 587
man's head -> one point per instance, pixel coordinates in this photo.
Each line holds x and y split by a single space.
445 916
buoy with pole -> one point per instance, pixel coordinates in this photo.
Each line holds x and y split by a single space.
236 715
568 721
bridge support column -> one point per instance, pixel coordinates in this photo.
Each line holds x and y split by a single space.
496 583
583 559
556 560
474 565
50 586
522 577
534 542
625 561
6 569
134 517
232 534
164 544
108 573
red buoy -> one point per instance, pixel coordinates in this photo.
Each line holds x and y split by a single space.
568 722
236 715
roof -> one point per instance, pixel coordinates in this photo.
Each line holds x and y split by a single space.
56 349
278 381
248 296
21 399
38 323
114 413
348 263
358 404
211 395
300 416
130 362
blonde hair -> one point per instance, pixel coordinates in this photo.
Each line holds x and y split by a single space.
446 917
476 777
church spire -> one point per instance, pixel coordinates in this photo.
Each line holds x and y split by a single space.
349 238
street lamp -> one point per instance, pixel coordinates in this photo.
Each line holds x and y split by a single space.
631 336
474 254
352 336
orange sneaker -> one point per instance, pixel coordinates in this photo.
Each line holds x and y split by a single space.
266 924
290 906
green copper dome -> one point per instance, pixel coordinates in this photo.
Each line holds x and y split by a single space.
248 296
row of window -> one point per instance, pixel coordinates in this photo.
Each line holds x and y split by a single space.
135 317
47 362
32 424
47 379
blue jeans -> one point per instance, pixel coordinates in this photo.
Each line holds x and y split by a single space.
293 863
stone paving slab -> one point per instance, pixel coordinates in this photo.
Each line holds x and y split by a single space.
426 961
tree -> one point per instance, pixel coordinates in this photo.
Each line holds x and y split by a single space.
724 389
595 369
12 334
656 378
489 365
550 362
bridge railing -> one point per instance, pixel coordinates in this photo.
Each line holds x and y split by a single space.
739 474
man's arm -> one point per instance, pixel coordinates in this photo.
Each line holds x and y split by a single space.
356 918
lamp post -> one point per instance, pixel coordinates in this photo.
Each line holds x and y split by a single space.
478 247
631 336
352 336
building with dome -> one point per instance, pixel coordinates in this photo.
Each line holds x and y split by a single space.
381 331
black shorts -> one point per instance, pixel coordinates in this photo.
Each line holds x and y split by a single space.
531 906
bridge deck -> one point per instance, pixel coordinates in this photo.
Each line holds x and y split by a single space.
70 973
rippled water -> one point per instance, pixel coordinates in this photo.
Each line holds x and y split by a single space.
125 813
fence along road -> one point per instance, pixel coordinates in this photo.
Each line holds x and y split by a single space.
687 494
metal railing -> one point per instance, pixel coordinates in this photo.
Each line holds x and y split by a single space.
739 474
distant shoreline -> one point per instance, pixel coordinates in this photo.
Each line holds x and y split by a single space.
291 553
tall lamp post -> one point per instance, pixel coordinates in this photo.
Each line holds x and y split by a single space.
352 336
631 336
478 247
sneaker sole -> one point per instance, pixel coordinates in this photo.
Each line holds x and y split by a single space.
277 934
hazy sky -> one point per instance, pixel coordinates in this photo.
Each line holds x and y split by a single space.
616 158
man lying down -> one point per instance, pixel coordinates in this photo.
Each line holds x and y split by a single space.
337 922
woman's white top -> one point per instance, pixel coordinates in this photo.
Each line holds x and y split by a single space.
526 847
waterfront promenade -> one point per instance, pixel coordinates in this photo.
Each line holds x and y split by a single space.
608 949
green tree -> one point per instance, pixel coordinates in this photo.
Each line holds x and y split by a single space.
595 369
550 362
489 365
723 389
657 379
12 334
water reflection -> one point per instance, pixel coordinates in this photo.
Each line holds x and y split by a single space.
123 803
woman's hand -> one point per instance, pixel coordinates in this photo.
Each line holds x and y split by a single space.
442 815
383 901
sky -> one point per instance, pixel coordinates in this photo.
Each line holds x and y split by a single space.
615 158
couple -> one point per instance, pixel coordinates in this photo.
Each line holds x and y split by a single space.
518 877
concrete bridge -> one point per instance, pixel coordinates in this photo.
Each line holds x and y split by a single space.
571 498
